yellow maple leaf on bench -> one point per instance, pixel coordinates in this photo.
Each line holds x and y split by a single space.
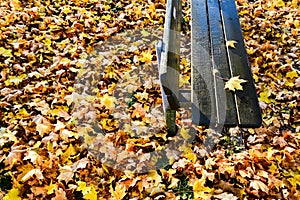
234 83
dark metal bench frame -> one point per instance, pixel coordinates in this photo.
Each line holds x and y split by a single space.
214 22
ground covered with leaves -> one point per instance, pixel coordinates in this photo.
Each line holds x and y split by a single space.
79 78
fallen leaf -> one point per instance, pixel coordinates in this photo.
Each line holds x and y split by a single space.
259 185
234 83
231 43
13 194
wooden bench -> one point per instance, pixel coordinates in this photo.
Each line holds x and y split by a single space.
214 23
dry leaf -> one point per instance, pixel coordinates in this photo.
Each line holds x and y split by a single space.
234 83
231 43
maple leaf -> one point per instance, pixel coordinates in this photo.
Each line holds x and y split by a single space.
264 96
5 52
174 182
37 172
231 43
108 101
201 191
92 194
256 184
66 174
59 125
234 83
118 193
32 156
146 57
139 111
15 79
292 74
51 188
14 156
226 196
141 95
184 79
60 194
13 194
185 133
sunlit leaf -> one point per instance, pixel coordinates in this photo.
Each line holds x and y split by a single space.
231 43
5 52
234 83
13 194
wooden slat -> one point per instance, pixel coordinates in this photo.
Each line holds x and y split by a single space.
226 112
169 63
248 110
203 96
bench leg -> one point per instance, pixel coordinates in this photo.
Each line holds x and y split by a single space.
170 116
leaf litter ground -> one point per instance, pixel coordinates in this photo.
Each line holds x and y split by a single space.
67 84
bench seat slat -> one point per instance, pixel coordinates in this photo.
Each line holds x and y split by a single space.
202 79
213 23
226 111
248 110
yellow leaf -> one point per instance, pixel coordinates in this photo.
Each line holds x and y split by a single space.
152 9
67 9
183 79
15 4
5 52
155 177
201 191
191 156
91 195
106 17
118 193
174 182
141 95
108 101
145 33
291 74
48 43
185 133
279 3
273 168
231 43
264 96
50 188
65 61
146 57
71 151
23 113
255 77
234 83
82 187
13 194
15 79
